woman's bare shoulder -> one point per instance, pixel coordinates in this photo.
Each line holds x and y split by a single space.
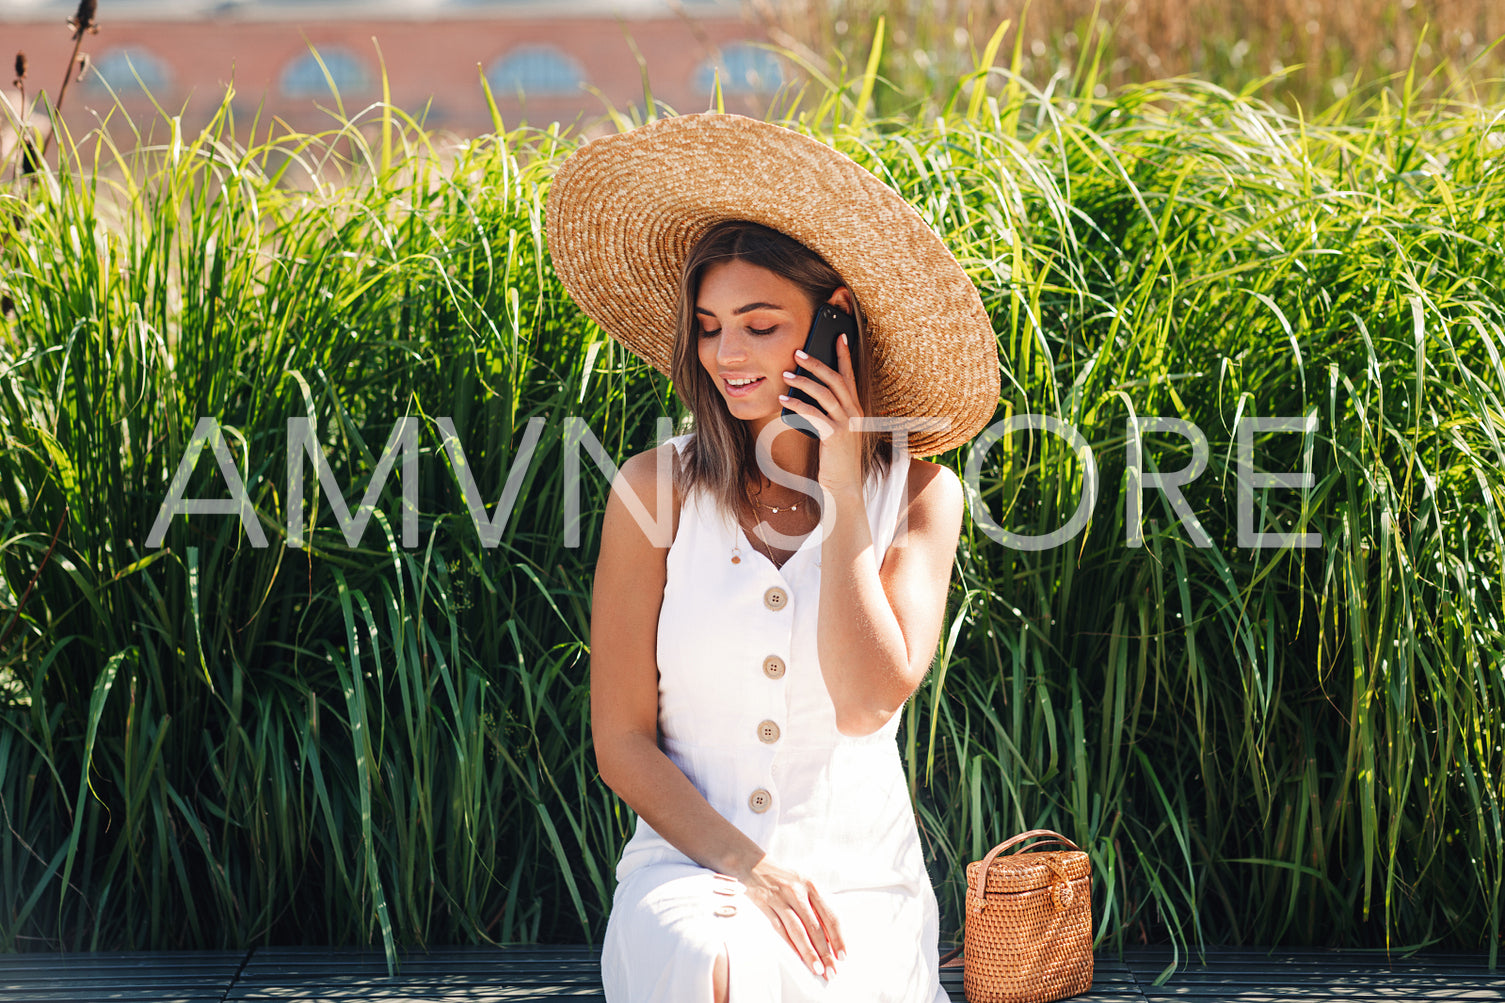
649 477
934 486
640 470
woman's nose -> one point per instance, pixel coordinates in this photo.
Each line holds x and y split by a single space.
731 346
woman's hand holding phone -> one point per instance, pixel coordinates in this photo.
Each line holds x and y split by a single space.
833 392
827 327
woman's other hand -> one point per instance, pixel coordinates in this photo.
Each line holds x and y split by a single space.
797 911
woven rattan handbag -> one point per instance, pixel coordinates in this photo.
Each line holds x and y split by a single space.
1029 923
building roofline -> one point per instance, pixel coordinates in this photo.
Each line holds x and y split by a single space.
291 11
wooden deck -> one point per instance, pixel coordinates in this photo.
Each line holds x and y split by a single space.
482 975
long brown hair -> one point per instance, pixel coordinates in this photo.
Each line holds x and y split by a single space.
721 458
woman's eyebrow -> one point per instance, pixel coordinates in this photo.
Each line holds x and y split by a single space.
749 308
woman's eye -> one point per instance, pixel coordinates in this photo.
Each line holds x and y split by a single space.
762 330
709 334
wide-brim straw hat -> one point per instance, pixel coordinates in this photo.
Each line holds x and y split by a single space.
624 211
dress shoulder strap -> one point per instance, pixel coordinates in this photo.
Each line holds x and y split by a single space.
681 504
886 504
698 503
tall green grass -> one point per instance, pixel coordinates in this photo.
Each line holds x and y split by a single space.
211 744
1300 53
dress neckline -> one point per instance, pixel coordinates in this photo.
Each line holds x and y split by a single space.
877 490
804 544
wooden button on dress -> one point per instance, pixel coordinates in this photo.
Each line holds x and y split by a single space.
775 598
768 732
773 667
759 800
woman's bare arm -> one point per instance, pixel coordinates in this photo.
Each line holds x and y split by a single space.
879 625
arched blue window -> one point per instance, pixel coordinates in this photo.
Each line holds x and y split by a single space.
127 71
745 69
302 78
539 70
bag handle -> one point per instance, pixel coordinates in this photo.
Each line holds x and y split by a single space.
1047 836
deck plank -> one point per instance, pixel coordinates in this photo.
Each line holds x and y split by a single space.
303 975
544 973
1112 982
120 977
1250 976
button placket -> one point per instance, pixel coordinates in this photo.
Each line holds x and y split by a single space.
776 599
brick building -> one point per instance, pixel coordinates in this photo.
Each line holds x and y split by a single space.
545 60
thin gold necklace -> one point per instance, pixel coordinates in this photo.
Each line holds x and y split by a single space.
765 550
775 509
737 551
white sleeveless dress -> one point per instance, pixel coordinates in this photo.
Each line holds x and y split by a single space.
744 712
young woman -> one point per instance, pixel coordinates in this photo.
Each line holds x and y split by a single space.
747 671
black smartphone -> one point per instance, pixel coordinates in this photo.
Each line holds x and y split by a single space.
829 325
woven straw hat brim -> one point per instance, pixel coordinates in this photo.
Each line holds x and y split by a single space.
624 211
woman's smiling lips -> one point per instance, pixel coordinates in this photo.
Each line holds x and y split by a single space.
741 386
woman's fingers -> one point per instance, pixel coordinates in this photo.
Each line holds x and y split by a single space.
825 380
818 418
795 933
839 381
819 392
801 917
844 363
829 923
819 936
798 933
797 911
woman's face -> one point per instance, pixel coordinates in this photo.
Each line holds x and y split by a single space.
751 322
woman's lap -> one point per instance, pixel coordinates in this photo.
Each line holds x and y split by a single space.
670 921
